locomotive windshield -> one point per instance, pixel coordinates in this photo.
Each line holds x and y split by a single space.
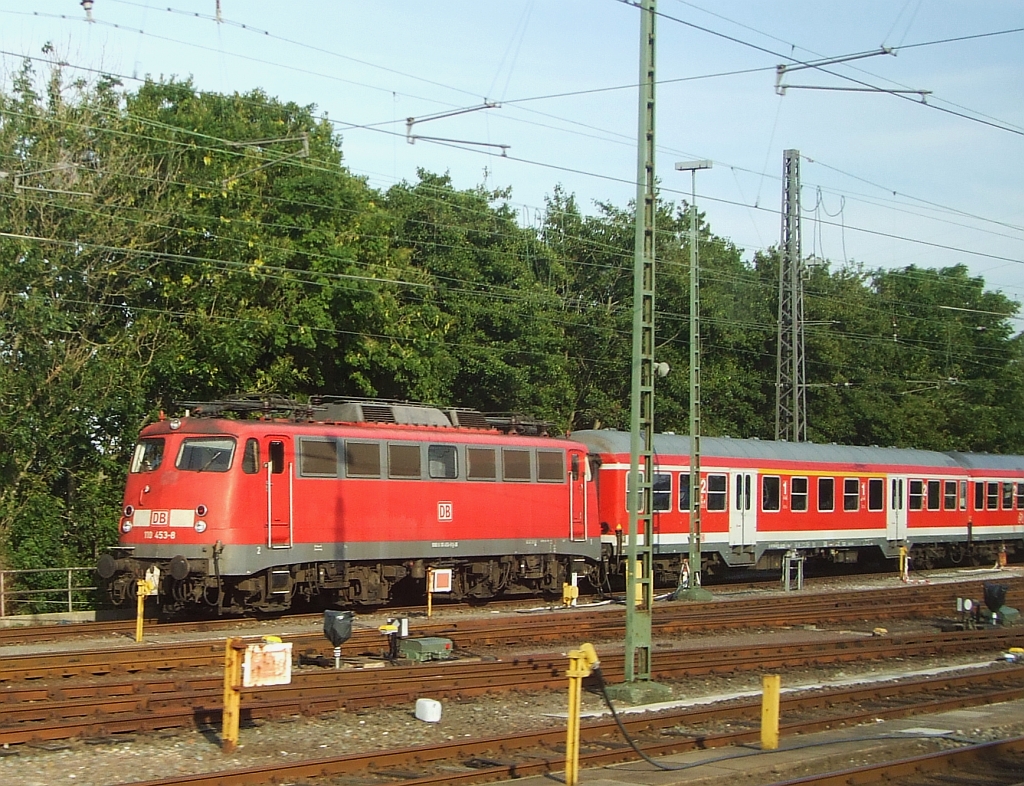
148 455
206 454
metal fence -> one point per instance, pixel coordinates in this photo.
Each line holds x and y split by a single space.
14 594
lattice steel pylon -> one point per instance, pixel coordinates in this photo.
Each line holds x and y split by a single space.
790 373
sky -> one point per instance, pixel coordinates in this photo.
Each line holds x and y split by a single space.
887 179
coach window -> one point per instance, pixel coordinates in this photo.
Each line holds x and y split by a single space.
206 454
662 492
718 492
798 494
362 459
876 494
933 495
148 455
963 495
1020 496
1007 496
684 492
515 464
826 495
551 465
851 495
949 495
318 458
482 464
916 495
403 461
979 495
770 497
992 496
443 461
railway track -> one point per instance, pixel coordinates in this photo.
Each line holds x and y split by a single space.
488 759
36 714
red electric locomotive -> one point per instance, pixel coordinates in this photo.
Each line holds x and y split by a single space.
343 501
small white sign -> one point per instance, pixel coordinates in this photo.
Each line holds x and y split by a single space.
268 663
444 511
441 580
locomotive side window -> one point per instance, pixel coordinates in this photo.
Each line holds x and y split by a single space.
718 492
551 465
662 492
362 459
276 457
933 495
826 495
482 464
442 461
770 497
148 455
206 454
318 458
949 495
916 495
992 496
851 494
979 495
515 463
876 494
684 492
251 457
403 461
798 494
1007 496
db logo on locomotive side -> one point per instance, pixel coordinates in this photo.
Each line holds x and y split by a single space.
444 511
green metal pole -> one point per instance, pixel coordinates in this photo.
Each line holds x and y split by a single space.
640 583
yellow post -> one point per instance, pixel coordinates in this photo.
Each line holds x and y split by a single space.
430 592
581 663
771 684
234 650
142 588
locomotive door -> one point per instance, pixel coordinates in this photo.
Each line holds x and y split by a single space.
742 512
577 496
896 520
279 491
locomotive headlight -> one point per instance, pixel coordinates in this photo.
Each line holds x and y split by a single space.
126 527
201 510
200 526
128 510
175 424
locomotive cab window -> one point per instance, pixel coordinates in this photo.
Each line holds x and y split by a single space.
718 492
551 466
826 495
770 493
206 454
933 495
515 464
916 495
318 458
798 495
403 461
442 461
149 453
362 459
949 495
876 494
251 457
482 464
851 495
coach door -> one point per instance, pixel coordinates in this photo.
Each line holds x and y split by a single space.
743 509
279 491
896 523
577 496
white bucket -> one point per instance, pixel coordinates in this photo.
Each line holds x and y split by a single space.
428 710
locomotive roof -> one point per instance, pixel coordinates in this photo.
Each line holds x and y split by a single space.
992 461
612 441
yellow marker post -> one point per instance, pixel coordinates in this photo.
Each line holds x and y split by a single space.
770 685
234 650
430 591
142 589
581 663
